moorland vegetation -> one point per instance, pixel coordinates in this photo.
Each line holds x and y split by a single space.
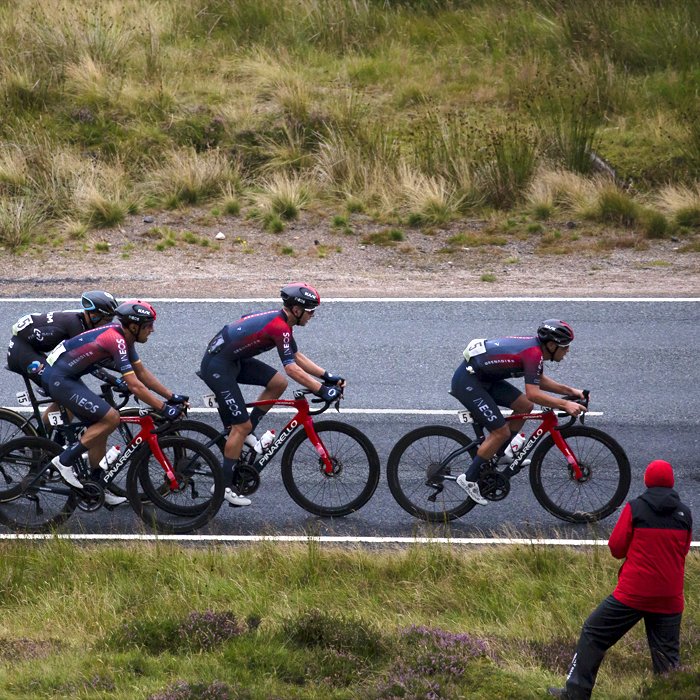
413 110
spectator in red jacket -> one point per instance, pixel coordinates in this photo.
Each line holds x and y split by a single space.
653 536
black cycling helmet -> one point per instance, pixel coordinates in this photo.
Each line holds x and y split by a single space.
99 303
135 311
300 294
555 331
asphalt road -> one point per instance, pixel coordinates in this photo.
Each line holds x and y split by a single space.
638 360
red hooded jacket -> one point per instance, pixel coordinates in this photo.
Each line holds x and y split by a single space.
654 533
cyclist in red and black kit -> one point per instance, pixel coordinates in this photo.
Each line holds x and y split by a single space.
74 358
479 383
230 361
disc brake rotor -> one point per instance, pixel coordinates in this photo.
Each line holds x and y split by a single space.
586 471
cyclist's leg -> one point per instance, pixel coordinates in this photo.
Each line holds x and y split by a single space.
475 395
260 374
221 377
505 394
80 401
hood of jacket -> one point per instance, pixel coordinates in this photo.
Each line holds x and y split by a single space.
661 499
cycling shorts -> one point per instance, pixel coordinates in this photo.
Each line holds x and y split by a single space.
23 359
223 376
73 395
482 399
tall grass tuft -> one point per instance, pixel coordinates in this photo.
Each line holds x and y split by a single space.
616 206
19 221
512 154
284 195
190 177
432 197
681 203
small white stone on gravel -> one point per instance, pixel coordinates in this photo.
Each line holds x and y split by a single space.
219 236
362 247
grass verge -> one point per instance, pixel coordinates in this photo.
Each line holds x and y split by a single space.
279 621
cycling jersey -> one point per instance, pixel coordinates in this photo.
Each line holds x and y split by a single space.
36 334
503 358
45 331
79 355
253 335
73 358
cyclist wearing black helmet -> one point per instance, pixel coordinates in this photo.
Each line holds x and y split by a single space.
74 358
479 383
34 335
230 361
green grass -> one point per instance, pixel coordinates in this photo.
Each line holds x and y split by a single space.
432 109
304 622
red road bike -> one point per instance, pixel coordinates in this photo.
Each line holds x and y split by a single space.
329 468
577 473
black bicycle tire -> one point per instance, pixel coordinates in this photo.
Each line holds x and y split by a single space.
195 426
18 420
617 499
347 508
148 512
39 443
392 474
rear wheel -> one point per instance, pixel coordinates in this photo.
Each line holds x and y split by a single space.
44 501
606 476
14 425
414 477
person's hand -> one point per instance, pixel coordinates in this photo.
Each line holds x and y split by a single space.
171 412
574 409
329 393
329 378
178 399
577 393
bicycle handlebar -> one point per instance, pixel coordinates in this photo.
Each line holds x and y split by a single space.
572 419
327 403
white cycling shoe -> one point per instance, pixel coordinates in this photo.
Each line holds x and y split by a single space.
472 490
232 497
112 499
67 473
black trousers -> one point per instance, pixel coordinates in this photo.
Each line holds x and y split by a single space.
606 625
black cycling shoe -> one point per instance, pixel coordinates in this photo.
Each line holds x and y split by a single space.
558 693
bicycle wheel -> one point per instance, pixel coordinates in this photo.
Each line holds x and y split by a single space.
355 474
43 506
14 425
191 505
411 473
605 468
193 429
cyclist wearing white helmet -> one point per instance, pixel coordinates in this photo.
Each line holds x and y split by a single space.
230 361
479 384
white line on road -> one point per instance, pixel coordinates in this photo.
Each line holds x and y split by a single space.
325 539
366 300
366 411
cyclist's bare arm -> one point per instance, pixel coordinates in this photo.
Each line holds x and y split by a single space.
139 390
547 384
309 367
295 372
147 379
536 395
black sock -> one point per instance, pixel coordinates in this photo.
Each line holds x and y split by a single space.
255 417
70 455
229 465
473 471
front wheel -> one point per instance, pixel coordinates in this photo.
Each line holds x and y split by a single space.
348 487
198 496
416 481
606 476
